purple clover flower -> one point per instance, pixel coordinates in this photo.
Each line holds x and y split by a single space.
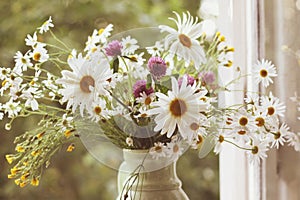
140 87
157 67
114 48
207 77
190 80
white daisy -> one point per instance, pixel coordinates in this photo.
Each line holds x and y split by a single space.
258 151
92 41
156 49
105 33
22 62
159 150
279 136
177 109
129 141
293 140
31 40
219 142
12 108
272 106
30 95
87 79
174 150
97 110
4 73
46 26
39 54
144 99
242 125
183 42
263 72
129 45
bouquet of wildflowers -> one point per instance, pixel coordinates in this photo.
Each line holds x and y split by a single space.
159 98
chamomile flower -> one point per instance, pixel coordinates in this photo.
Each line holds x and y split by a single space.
39 54
87 79
242 125
22 62
46 26
105 33
92 41
30 95
258 150
293 140
272 106
183 42
31 40
129 44
174 150
4 73
219 142
12 108
263 72
159 150
279 136
145 99
156 49
98 110
177 109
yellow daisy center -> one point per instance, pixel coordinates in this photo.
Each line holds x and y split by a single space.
178 107
260 121
241 132
97 110
271 110
147 101
175 148
254 150
86 82
263 73
277 135
221 138
243 121
194 126
185 40
37 56
158 149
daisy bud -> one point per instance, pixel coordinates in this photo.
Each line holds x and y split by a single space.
207 77
7 126
114 48
139 87
157 67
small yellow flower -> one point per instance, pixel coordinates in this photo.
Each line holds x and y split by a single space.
71 147
35 153
10 158
35 181
40 135
68 133
229 49
25 176
10 176
17 181
15 171
100 31
228 64
20 149
23 184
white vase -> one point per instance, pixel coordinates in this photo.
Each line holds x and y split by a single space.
156 180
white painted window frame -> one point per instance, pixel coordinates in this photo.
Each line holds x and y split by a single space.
241 21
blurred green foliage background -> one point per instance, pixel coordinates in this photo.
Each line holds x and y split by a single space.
76 175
